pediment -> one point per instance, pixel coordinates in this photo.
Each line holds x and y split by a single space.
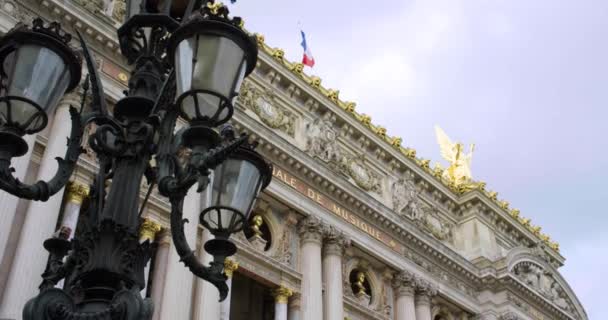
531 269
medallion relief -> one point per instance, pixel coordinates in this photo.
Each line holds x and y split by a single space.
363 177
433 223
265 105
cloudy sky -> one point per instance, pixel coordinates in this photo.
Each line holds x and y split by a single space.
525 80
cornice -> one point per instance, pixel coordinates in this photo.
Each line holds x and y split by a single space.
384 144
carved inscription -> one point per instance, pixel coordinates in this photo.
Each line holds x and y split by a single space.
333 207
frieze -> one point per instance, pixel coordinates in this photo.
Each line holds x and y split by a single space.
331 206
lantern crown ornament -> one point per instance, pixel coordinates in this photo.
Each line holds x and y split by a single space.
189 59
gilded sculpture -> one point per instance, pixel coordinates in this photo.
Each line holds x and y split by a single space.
459 171
256 224
359 284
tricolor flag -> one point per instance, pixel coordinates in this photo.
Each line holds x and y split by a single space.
308 59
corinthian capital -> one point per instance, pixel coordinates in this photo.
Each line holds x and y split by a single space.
311 229
76 192
424 291
335 242
404 283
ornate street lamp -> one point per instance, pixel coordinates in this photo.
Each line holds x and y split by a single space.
189 60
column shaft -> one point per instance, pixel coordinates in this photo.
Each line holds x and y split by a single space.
423 307
160 273
206 297
177 296
8 202
293 312
335 243
405 306
312 289
39 224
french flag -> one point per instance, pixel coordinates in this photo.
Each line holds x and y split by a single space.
308 59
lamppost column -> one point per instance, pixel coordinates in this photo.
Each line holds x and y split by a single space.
310 230
281 298
424 292
177 296
40 221
230 267
333 250
404 288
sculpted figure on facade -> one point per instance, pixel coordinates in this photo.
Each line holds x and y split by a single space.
405 197
322 142
543 282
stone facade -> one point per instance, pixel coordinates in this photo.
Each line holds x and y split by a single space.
346 201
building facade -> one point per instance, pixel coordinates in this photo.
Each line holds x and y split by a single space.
353 226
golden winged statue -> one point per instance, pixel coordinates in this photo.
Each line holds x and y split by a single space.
459 171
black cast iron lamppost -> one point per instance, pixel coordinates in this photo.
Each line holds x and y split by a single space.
189 60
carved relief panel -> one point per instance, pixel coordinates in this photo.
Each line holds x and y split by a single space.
543 282
356 168
322 142
264 103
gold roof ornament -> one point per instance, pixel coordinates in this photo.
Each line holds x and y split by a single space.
278 54
260 38
333 95
297 68
493 195
348 106
396 142
514 213
381 131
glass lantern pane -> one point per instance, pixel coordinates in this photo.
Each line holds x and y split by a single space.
40 75
184 65
218 64
236 184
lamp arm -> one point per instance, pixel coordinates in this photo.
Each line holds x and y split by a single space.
42 190
214 273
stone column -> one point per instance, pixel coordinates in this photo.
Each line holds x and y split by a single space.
147 232
310 230
75 194
424 292
333 249
206 296
281 297
8 202
160 272
177 296
230 266
293 312
404 290
40 221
